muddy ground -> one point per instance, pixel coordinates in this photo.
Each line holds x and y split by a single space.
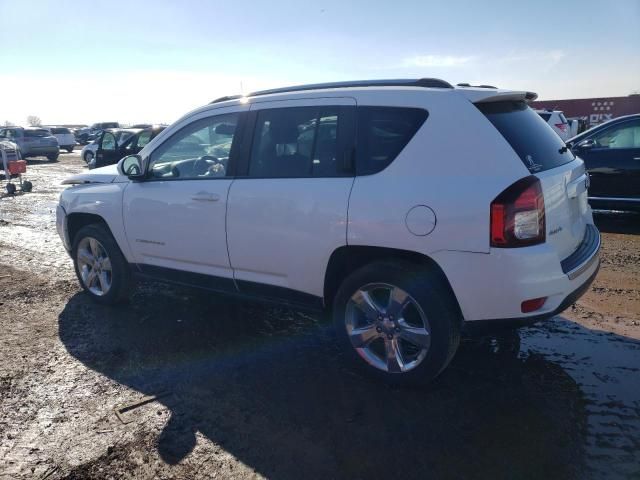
247 390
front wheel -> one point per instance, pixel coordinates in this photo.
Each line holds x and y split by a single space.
69 150
52 158
101 268
396 322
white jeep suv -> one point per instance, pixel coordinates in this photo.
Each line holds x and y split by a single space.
409 208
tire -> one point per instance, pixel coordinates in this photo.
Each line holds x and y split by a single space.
427 297
69 150
27 186
112 288
53 158
88 156
11 188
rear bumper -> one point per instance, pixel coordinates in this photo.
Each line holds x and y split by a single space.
493 286
31 151
484 327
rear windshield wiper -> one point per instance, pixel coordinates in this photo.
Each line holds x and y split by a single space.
563 149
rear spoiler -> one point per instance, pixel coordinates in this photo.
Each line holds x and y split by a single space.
482 95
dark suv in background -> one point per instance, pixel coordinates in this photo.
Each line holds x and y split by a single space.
611 153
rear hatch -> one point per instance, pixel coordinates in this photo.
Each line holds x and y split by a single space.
64 136
561 174
39 137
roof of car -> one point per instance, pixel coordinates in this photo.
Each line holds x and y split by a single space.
396 82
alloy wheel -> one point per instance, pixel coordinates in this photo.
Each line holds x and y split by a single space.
387 327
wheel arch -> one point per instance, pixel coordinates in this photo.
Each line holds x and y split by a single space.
348 258
77 220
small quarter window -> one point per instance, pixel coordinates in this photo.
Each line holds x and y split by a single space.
382 134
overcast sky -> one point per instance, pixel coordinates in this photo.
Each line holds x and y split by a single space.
152 61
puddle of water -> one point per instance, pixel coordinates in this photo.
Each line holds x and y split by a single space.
606 367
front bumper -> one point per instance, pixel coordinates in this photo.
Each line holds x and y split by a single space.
61 227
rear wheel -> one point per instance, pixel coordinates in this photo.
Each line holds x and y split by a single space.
396 322
70 149
101 268
11 188
52 158
27 186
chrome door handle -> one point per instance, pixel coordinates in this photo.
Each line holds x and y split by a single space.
205 197
636 158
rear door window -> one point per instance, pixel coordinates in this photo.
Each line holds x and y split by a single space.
382 134
296 142
535 142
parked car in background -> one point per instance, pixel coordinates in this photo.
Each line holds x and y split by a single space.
114 144
98 127
66 139
279 196
557 121
88 152
611 153
82 135
32 141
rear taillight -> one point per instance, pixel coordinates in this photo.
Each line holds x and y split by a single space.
517 215
562 126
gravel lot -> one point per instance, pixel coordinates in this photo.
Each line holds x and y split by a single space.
246 390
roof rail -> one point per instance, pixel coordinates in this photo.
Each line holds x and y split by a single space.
226 98
411 82
476 86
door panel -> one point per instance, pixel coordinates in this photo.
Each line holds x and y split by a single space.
108 152
613 173
176 219
614 161
172 224
282 231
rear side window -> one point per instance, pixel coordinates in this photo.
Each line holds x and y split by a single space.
545 116
382 134
296 142
530 136
60 131
36 133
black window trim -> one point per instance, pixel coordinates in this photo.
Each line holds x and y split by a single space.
345 139
234 153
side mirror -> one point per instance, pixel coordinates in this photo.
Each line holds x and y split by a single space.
132 166
586 144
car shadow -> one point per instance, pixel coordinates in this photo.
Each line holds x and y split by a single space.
617 222
267 385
